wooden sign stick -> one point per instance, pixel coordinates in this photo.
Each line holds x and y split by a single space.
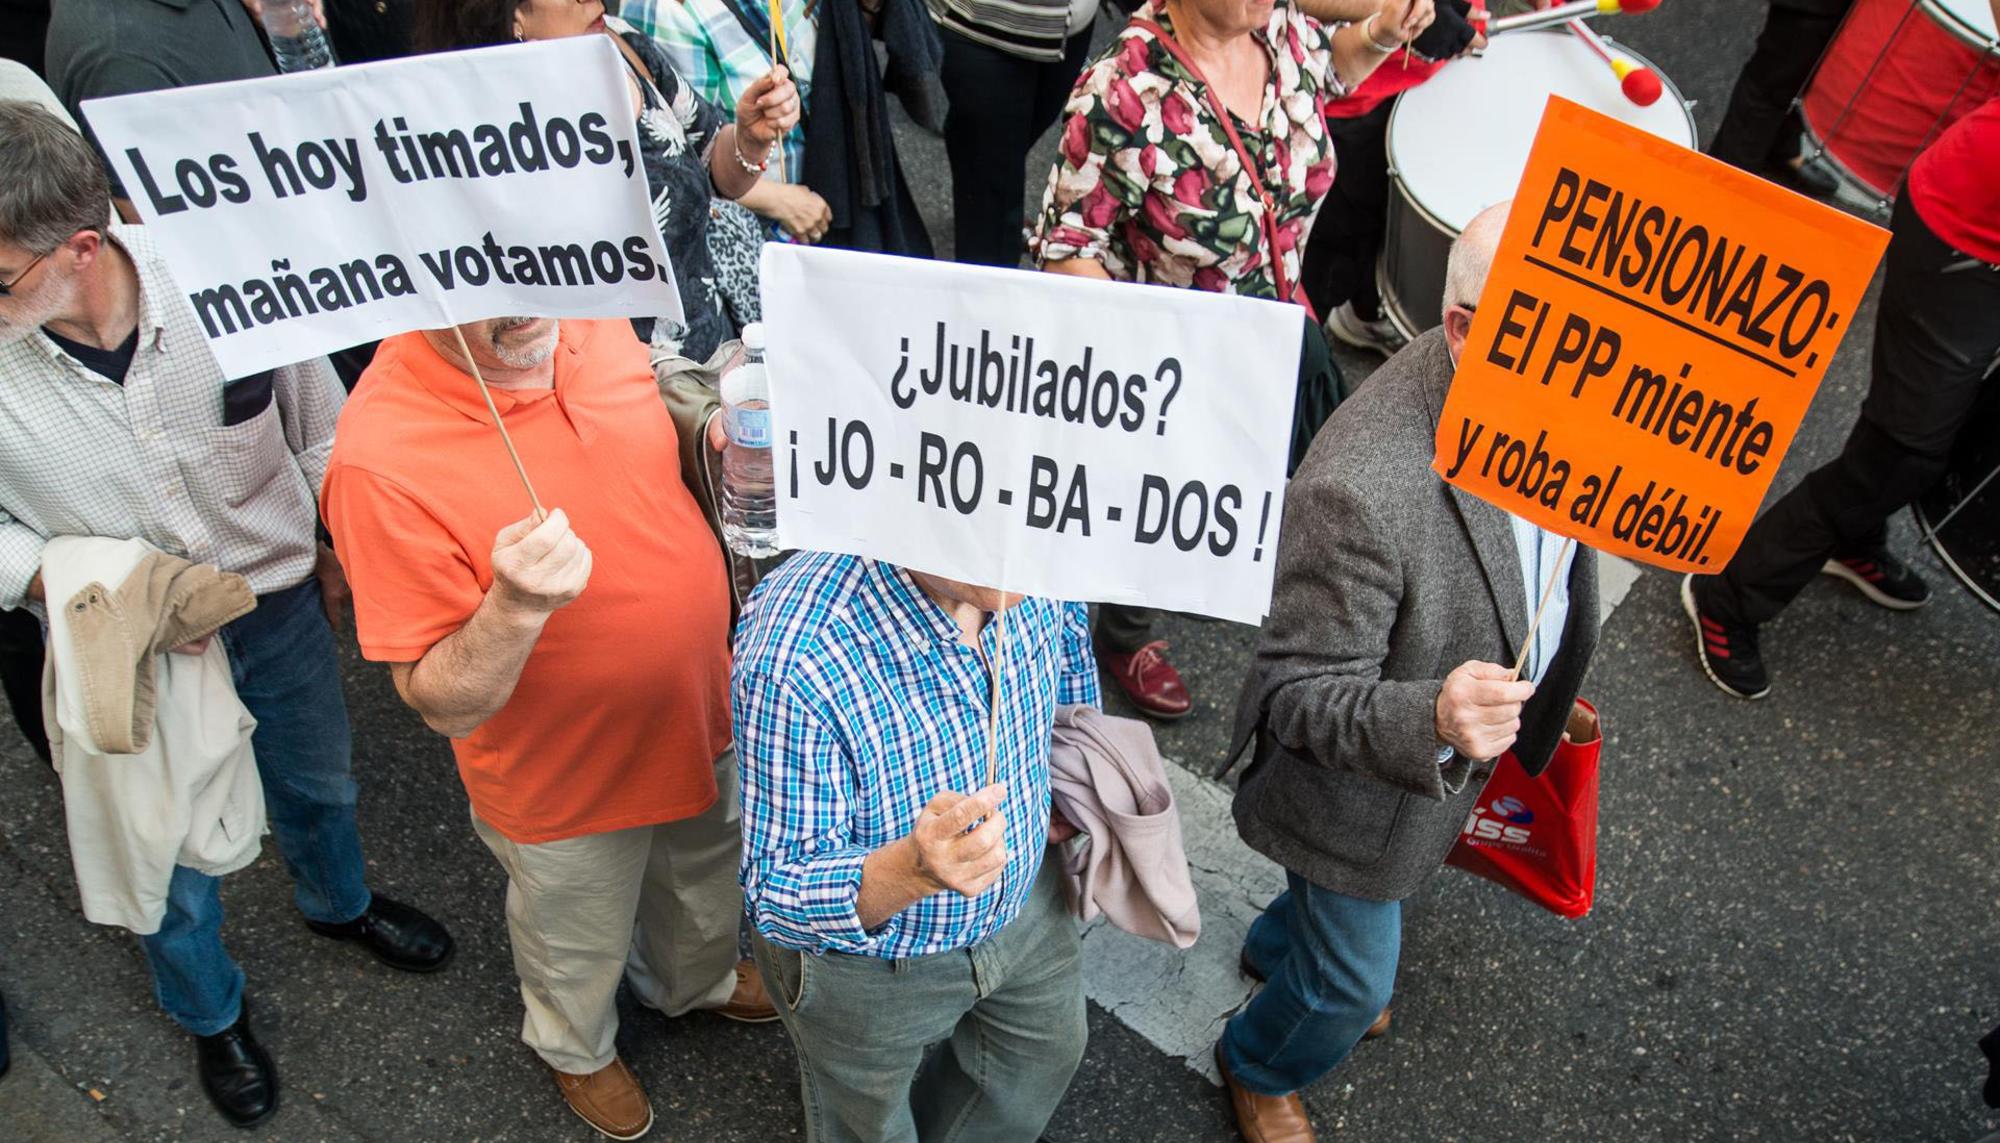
993 715
779 55
1535 624
541 513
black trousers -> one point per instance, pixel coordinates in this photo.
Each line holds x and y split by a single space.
1935 338
1759 128
21 675
1121 629
1000 105
1346 238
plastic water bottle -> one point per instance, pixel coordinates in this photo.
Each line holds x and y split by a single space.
749 500
296 38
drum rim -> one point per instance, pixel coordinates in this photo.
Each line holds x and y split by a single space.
1817 148
1393 306
1930 538
1958 25
1666 82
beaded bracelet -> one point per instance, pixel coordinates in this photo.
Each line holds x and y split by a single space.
736 145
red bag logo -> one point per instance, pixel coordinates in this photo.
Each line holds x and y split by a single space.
1490 823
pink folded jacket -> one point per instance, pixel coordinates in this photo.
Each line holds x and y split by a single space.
1108 779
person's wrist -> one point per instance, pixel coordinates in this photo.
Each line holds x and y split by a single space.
514 611
907 861
756 139
1368 36
757 166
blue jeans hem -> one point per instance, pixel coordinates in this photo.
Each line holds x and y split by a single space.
367 900
1245 1074
197 1029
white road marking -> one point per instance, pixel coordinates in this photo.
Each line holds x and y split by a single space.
1615 578
1179 1000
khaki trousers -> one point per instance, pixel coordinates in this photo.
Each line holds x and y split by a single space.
658 905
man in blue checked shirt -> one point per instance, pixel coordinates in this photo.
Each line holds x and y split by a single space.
899 900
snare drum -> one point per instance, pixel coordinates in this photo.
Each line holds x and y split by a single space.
1898 73
1459 143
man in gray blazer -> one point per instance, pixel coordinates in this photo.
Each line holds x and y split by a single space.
1381 693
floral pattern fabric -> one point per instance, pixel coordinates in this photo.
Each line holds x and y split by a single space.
677 128
1146 181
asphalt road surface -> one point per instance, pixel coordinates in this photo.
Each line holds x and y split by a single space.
1794 936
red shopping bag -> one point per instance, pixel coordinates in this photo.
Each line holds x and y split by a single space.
1538 836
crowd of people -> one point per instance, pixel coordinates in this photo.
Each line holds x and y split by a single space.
676 763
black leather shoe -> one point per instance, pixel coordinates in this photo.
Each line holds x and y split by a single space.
237 1074
1808 178
399 936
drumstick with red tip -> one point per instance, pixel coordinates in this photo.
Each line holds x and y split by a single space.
1563 13
1638 82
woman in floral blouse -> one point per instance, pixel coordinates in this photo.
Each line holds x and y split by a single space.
1151 184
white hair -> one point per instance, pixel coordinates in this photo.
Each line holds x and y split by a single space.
1472 256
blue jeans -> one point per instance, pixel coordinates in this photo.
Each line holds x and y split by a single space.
1329 964
287 673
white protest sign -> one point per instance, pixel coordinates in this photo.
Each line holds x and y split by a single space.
307 212
1035 432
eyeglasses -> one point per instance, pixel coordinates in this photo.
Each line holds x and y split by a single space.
7 288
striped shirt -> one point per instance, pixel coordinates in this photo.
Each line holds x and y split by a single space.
717 56
1031 29
855 704
216 471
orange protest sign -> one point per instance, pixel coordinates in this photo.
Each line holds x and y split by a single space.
1653 328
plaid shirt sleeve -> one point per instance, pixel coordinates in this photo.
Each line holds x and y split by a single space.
309 397
801 868
690 41
1078 681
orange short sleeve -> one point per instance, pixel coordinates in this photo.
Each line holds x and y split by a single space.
414 583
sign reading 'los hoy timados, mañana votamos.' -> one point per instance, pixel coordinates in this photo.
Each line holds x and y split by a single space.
303 213
1034 432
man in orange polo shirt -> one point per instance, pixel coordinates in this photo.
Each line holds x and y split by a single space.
580 664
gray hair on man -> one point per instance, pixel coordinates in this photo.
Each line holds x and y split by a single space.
1465 271
51 181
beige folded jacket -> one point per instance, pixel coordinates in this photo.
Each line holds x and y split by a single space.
153 748
1108 779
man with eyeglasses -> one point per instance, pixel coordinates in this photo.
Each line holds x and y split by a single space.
116 421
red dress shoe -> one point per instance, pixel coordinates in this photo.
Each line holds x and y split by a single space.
1148 680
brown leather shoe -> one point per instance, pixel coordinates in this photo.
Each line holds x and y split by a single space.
609 1099
1152 683
1380 1027
749 1004
1265 1118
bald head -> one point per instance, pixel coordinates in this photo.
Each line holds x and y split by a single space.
1465 271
